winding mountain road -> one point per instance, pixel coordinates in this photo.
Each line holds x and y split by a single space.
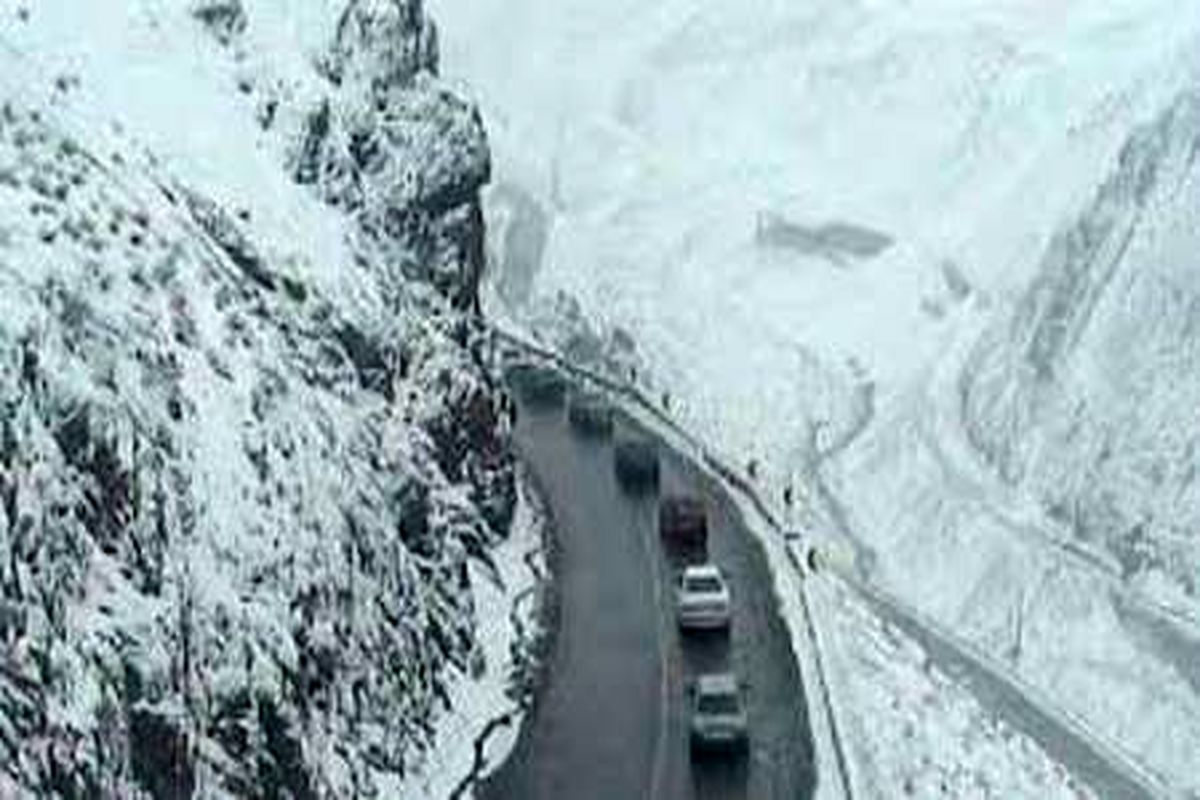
609 719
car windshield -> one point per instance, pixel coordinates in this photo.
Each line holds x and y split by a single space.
703 583
718 704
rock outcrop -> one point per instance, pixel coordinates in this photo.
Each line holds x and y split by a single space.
399 152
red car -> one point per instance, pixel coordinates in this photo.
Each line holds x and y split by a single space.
682 520
636 462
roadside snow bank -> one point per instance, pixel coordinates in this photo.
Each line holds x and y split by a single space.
506 602
917 732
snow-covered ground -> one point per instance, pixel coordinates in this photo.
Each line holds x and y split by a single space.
507 604
656 138
913 728
807 216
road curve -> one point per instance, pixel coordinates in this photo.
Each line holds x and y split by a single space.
609 719
1074 748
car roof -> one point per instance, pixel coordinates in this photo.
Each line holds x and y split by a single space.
587 396
717 683
702 571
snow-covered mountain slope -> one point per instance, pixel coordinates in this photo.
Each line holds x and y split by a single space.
806 215
1087 397
250 460
1031 491
660 143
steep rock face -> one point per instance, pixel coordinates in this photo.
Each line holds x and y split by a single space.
383 44
403 155
405 158
236 509
1088 394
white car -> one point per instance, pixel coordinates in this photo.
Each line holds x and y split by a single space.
703 598
718 715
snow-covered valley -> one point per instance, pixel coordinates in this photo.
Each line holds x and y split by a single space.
928 264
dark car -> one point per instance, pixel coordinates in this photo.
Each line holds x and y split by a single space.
590 414
719 723
683 521
538 384
636 463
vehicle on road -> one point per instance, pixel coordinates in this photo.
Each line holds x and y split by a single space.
719 723
539 384
683 522
703 602
636 463
590 413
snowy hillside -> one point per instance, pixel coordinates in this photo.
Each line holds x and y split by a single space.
651 152
250 461
1031 490
1088 396
804 216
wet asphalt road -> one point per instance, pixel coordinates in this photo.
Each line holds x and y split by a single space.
610 718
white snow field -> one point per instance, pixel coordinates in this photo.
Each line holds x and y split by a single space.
933 264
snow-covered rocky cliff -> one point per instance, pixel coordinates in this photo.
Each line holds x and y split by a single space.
248 439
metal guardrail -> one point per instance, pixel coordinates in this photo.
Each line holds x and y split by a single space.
727 475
